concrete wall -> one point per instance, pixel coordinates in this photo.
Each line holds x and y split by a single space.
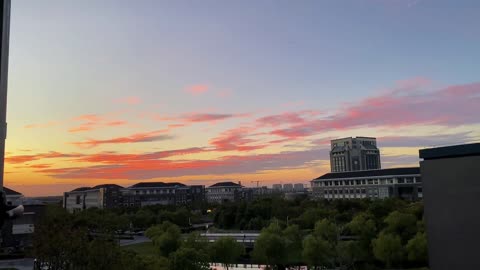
451 188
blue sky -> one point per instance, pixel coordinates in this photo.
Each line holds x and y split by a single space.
258 58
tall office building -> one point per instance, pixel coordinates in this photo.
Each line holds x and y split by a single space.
354 154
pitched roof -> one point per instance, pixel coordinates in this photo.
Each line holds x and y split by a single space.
81 189
226 184
157 184
107 186
10 191
370 173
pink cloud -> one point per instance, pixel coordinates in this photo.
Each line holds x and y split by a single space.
131 100
236 139
197 89
450 106
145 168
157 135
92 122
225 93
287 118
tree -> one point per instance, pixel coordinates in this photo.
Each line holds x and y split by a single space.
317 252
195 241
348 253
417 249
226 251
293 244
388 248
270 247
188 259
363 226
169 241
326 230
402 224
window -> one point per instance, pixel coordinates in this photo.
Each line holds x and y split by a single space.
401 181
78 199
358 182
418 179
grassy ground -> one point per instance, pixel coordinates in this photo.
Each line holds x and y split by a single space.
142 248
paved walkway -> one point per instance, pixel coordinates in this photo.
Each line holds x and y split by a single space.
20 264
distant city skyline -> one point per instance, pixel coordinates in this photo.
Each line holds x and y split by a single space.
196 92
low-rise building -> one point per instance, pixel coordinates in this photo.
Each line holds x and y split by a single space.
101 196
223 192
140 194
299 187
160 193
277 187
12 197
404 183
287 188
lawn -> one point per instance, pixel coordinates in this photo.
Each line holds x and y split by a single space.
146 248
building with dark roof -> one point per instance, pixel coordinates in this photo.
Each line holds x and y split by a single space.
404 183
160 193
224 192
354 154
137 195
452 194
100 196
13 197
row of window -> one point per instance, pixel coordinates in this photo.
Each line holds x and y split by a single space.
384 181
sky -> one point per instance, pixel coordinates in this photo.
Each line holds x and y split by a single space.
206 91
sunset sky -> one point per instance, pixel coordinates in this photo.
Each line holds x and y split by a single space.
204 91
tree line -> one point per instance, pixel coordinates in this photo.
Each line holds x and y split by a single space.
357 234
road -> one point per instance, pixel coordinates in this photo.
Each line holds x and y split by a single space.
136 240
20 264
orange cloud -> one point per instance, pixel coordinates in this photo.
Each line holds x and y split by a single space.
35 157
46 125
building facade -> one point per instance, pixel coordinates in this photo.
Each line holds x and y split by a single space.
354 154
101 196
451 179
159 193
224 192
403 183
141 194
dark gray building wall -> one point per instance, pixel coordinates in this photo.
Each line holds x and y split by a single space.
451 188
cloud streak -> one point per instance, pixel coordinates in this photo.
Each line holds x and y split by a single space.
450 106
152 136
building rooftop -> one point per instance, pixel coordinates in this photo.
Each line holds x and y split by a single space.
81 189
10 191
462 150
107 186
370 173
157 184
226 184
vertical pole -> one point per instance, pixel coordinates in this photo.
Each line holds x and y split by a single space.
4 42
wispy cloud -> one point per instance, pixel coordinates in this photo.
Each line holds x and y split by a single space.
131 100
16 159
451 106
94 121
197 89
147 169
152 136
45 125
